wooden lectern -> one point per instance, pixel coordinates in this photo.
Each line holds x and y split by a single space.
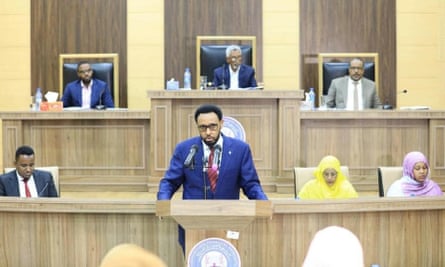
212 218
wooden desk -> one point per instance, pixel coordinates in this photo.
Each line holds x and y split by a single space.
367 139
270 119
76 232
95 150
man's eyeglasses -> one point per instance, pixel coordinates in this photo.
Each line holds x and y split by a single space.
211 127
84 71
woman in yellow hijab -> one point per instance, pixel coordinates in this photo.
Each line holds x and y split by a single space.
329 182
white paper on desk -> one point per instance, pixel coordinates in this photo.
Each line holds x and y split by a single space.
415 108
51 96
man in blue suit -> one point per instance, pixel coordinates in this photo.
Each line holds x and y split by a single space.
87 92
234 164
25 181
234 75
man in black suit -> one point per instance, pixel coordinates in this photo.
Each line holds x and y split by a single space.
25 181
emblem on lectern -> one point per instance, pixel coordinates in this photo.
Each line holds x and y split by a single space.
233 128
214 252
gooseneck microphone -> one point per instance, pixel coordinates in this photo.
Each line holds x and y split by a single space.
41 191
100 106
223 78
189 160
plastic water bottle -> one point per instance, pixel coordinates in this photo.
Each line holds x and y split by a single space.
187 79
38 99
312 98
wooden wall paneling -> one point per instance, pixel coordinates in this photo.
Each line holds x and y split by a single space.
82 26
78 232
336 26
184 20
95 151
273 112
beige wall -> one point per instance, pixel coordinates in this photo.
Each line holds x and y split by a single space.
15 69
420 51
281 49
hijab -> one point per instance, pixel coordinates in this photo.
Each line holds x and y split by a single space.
412 187
319 189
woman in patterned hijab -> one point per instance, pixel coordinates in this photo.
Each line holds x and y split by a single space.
416 179
329 182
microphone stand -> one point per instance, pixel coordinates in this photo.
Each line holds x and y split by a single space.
204 172
223 85
100 106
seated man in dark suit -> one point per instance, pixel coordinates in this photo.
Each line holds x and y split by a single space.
353 92
25 181
234 75
87 92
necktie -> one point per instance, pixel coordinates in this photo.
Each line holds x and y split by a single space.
212 171
27 192
355 96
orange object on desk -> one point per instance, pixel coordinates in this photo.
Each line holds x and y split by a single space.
51 106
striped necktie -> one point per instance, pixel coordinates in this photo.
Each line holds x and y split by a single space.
212 171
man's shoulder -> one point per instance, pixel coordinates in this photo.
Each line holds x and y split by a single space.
74 83
235 142
8 176
98 82
41 173
245 67
340 79
367 81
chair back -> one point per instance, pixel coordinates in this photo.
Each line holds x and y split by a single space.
105 67
303 174
386 176
54 170
335 65
211 53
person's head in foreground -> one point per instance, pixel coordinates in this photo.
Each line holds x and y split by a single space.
130 255
334 246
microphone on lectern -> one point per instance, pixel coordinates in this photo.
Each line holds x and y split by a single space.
188 163
223 78
100 106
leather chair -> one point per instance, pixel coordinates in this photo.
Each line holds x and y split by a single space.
386 176
214 56
105 67
335 65
54 170
211 53
303 174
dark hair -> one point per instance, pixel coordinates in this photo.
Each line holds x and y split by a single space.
207 108
23 150
82 63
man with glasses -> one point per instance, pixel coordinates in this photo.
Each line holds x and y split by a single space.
25 181
353 92
87 92
234 74
193 164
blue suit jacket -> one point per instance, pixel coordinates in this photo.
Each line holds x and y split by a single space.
236 172
72 95
246 76
9 185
